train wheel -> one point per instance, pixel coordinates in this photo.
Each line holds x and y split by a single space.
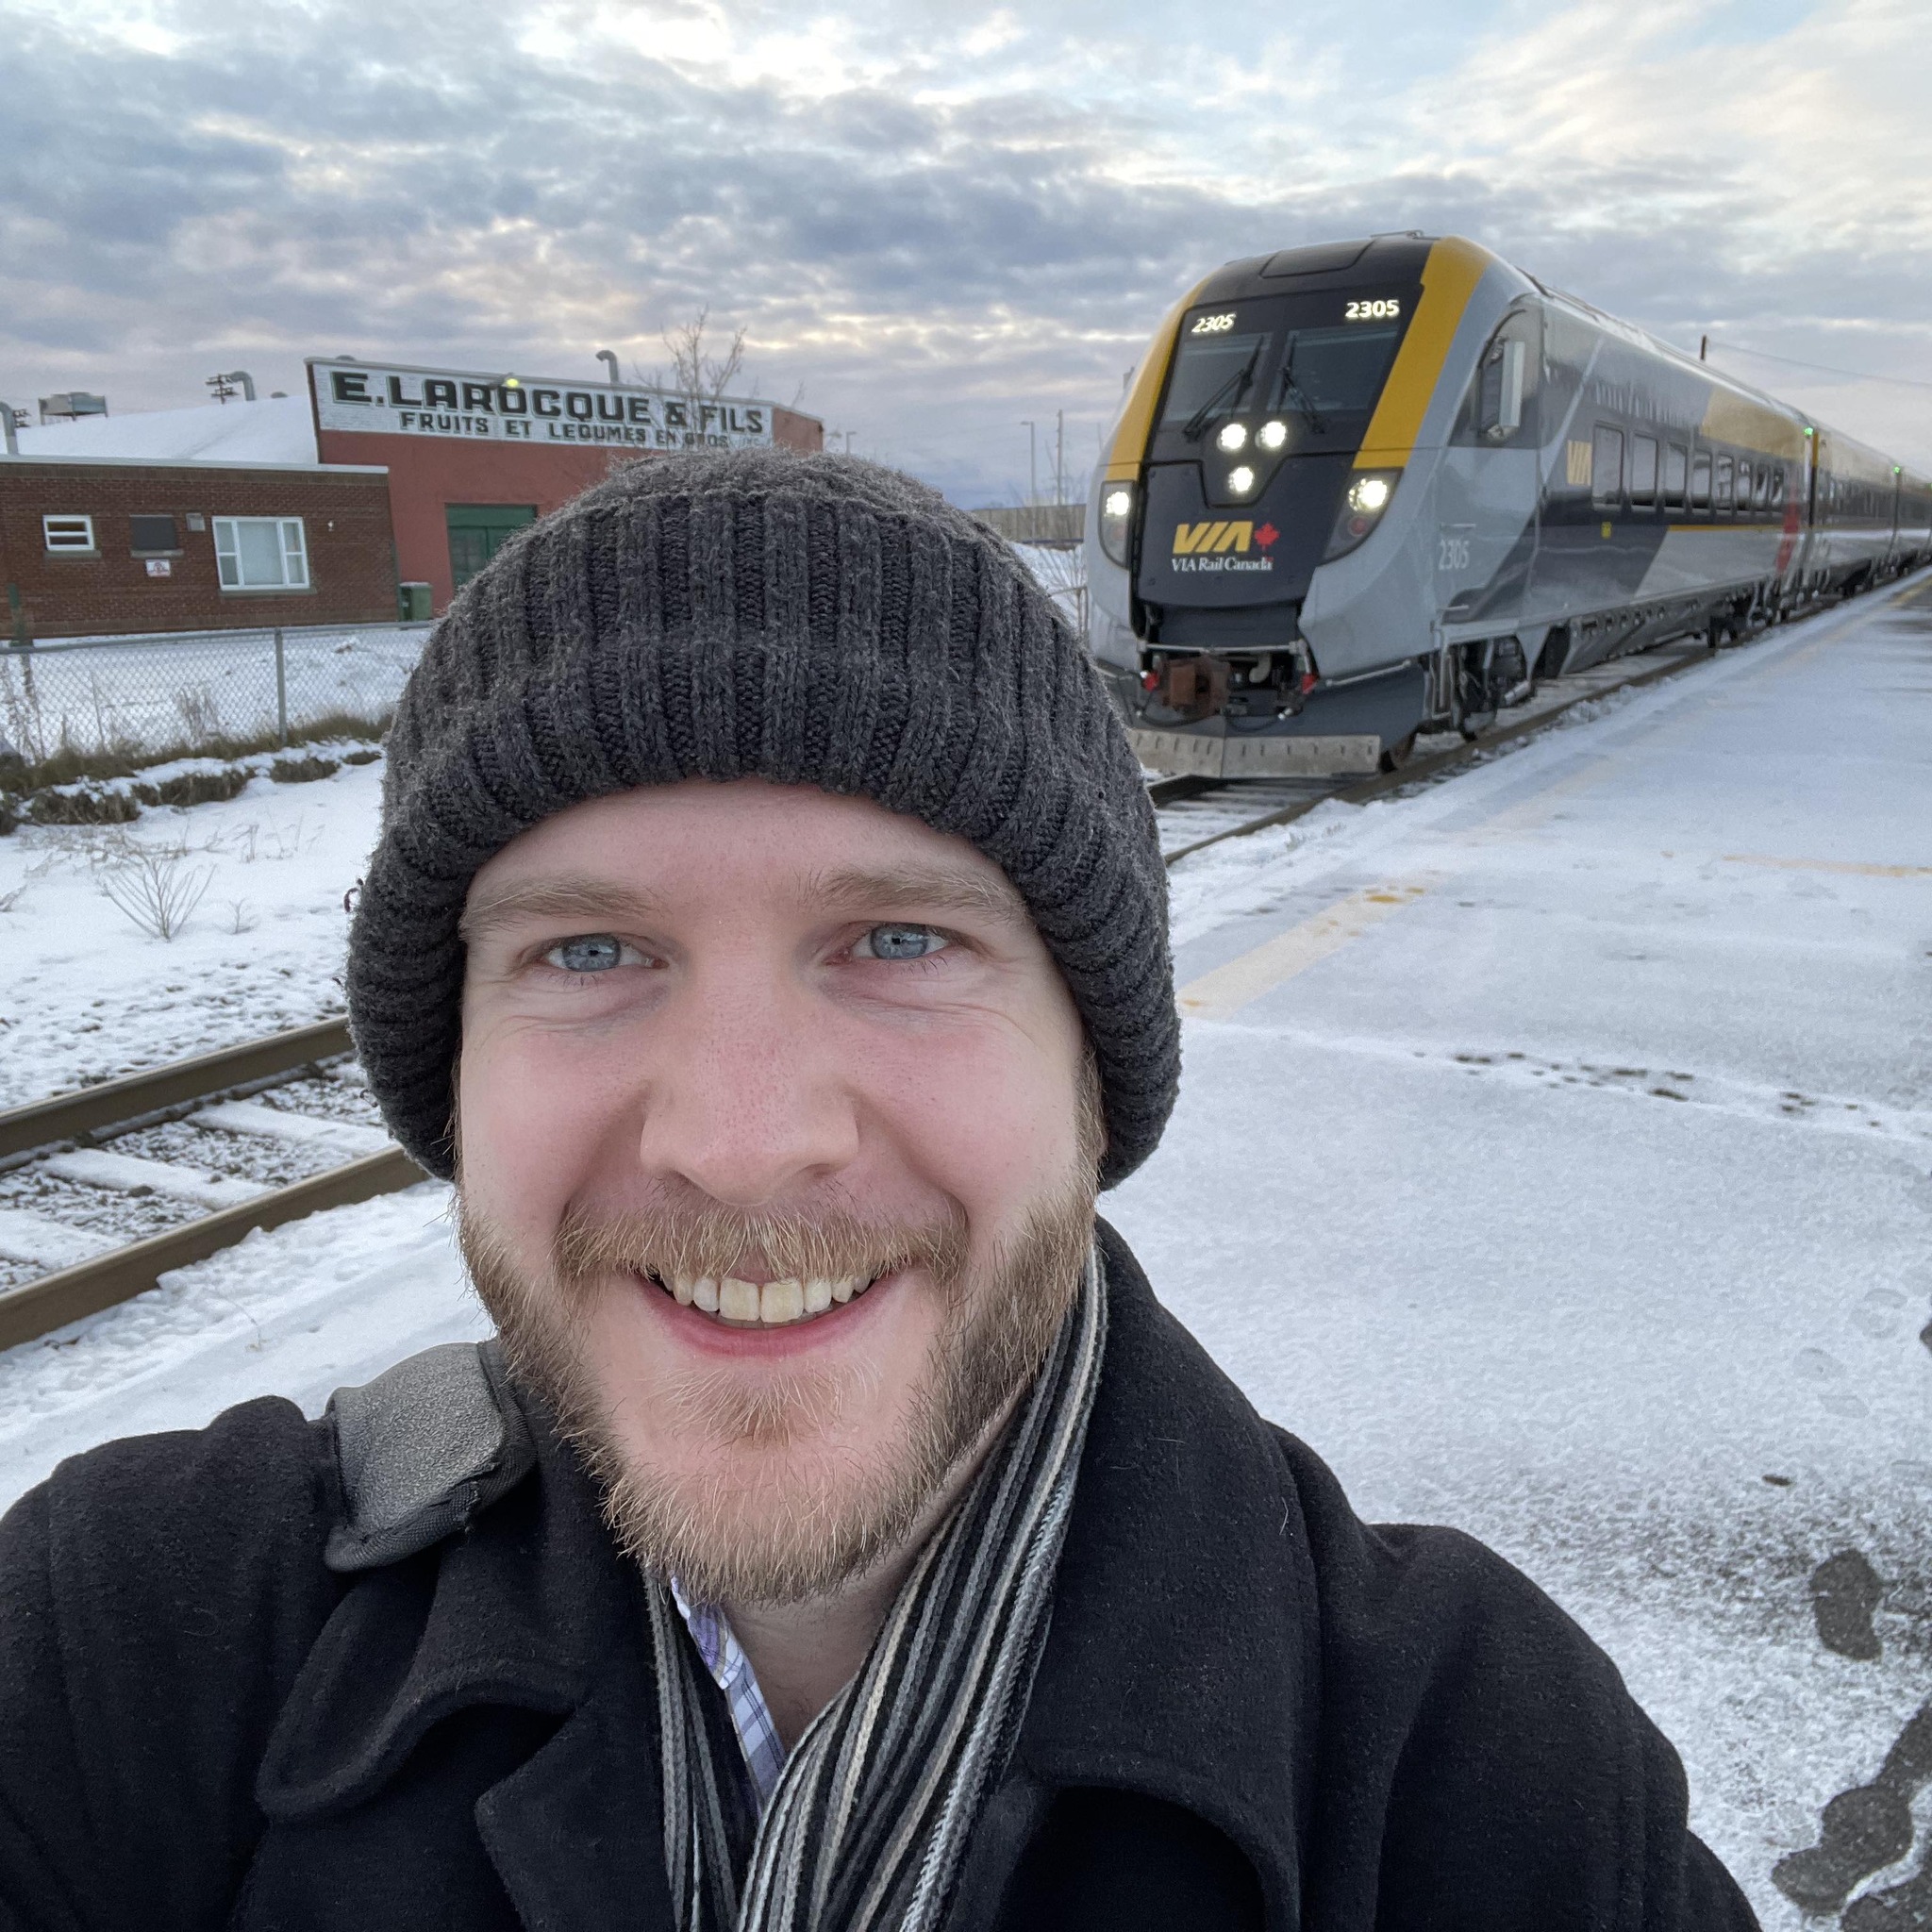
1397 755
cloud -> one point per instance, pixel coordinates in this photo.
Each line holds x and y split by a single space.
940 221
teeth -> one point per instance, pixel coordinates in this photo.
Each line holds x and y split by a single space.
774 1304
781 1301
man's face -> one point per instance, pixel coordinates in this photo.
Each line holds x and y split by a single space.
777 1164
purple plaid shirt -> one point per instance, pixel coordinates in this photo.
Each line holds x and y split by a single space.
731 1670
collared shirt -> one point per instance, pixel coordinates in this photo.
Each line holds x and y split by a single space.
731 1670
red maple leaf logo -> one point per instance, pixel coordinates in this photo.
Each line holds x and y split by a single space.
1266 536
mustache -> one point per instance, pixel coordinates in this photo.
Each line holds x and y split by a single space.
695 1239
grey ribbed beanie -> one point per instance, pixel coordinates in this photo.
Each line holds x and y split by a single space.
812 619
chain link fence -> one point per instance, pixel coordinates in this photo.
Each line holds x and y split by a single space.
78 709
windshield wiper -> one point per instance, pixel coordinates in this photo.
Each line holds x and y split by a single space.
1291 391
1238 382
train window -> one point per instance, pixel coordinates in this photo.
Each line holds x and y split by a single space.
1643 471
1743 484
1334 372
1761 487
1676 462
1213 374
1722 496
1606 465
1777 488
1700 481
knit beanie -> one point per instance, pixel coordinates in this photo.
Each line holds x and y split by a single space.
812 619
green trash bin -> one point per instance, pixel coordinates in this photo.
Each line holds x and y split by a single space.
415 599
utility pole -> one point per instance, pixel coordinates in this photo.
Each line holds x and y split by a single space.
1032 463
1059 455
1703 348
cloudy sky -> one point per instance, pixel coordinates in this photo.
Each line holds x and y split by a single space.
937 221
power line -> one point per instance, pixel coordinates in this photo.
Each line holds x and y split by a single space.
1828 368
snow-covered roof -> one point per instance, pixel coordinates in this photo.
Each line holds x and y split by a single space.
277 429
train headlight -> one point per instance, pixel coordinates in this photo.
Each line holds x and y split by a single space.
1272 434
1117 501
1233 436
1367 495
1240 480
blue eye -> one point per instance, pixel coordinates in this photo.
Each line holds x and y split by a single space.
592 951
900 943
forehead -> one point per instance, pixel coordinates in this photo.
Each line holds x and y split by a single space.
697 840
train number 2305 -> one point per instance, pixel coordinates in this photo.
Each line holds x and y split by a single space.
1386 309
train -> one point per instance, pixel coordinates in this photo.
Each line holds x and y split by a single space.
1363 490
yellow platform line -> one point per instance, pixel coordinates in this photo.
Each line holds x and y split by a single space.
1844 865
1222 993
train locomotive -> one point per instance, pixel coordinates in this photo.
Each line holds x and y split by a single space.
1368 488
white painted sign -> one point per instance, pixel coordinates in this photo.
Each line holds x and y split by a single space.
382 399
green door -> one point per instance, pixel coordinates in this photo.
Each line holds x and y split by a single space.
478 531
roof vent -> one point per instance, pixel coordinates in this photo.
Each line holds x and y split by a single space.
1325 257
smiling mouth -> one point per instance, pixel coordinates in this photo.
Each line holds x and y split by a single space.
768 1304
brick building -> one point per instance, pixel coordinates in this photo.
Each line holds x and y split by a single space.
473 455
124 546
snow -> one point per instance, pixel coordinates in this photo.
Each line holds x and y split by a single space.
276 429
340 1140
85 995
1553 1155
101 1167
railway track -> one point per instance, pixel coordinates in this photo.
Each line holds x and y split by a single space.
105 1190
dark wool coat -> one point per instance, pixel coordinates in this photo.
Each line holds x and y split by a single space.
1253 1710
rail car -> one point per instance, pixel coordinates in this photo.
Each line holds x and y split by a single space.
1366 488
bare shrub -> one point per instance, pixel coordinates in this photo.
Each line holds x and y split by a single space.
302 770
240 916
83 805
199 715
154 887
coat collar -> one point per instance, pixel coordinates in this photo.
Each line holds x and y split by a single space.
1179 1663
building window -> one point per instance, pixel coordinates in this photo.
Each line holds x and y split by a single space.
1676 464
68 536
1700 481
261 553
153 537
1607 466
1643 471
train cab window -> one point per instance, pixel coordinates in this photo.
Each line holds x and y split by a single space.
1676 464
1642 472
1214 369
1700 481
1722 497
1607 466
1333 372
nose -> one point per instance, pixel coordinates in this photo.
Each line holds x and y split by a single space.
748 1100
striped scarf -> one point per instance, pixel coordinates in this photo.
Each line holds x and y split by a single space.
871 1818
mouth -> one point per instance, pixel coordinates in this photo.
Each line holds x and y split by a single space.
752 1305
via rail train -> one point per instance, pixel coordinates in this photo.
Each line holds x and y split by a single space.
1371 487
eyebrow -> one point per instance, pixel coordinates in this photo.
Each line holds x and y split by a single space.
568 896
917 888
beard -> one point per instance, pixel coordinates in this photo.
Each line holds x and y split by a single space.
767 1499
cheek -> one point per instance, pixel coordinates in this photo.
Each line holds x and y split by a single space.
533 1108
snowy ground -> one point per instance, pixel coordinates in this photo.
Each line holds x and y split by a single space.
1554 1154
85 995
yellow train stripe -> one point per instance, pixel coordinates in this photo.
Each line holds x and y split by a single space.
1449 278
1136 420
1222 993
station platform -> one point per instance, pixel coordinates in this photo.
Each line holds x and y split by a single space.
1554 1157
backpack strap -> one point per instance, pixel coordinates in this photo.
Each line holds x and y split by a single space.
421 1451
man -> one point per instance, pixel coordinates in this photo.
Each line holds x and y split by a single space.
767 933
